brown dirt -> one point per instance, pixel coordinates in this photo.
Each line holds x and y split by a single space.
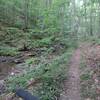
72 85
5 68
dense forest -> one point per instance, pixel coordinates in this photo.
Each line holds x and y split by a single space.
51 48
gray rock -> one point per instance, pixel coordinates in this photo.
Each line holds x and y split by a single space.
2 87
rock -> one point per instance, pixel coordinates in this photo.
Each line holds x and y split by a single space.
2 86
63 97
18 61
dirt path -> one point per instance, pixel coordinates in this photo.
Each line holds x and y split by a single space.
72 85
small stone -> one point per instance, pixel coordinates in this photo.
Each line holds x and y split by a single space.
12 73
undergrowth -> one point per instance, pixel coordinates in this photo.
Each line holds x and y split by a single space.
50 75
51 72
8 51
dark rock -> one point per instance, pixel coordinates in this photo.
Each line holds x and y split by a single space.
25 95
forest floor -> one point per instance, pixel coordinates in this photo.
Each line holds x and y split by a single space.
90 71
72 85
50 64
83 82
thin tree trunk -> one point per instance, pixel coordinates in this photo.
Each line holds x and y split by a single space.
26 14
91 21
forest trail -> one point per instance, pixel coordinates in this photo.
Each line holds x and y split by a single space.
72 85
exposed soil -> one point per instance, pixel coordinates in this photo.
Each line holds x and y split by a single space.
72 85
8 64
5 69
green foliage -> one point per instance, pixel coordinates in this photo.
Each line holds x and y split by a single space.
8 51
12 35
36 14
37 24
46 41
30 61
51 74
67 41
85 76
95 40
50 50
92 39
42 42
